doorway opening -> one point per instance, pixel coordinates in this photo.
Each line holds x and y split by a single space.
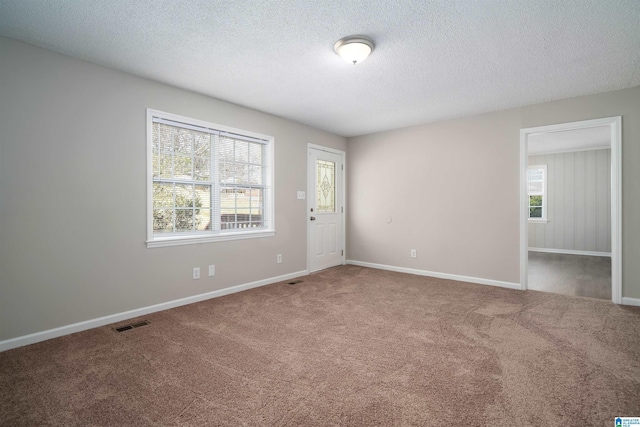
573 241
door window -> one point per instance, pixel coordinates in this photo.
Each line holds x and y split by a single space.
326 186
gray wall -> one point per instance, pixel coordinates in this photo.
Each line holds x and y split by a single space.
73 194
578 202
452 189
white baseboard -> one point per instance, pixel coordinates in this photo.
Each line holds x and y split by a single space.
631 301
118 317
570 252
510 285
459 278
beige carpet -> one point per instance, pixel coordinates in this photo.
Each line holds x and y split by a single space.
349 346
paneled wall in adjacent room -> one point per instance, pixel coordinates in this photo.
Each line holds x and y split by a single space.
578 202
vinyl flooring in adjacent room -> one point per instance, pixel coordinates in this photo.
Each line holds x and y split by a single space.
577 275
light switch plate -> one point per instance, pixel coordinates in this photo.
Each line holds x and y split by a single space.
301 195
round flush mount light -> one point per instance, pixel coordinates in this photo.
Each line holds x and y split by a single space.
354 49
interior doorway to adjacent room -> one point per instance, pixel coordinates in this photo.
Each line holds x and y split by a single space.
570 225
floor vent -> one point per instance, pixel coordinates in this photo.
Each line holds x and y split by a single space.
295 282
131 326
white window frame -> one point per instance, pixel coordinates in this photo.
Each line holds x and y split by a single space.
175 239
544 195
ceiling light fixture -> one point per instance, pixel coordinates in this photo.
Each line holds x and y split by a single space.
354 49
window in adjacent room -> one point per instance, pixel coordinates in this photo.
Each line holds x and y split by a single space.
206 182
537 192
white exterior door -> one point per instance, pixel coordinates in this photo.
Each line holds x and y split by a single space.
325 211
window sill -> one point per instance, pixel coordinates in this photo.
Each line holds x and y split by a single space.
538 221
160 242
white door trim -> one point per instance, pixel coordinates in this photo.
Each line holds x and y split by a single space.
309 201
615 124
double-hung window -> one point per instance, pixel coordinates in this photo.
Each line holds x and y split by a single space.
206 182
537 192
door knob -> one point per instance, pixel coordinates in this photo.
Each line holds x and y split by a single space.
313 218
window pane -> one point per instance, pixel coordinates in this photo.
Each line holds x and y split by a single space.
256 218
234 173
203 219
203 196
227 201
257 198
535 180
535 174
535 212
163 220
202 144
162 195
225 150
185 220
535 201
325 186
183 141
227 209
242 151
203 207
202 169
241 174
162 166
255 153
162 141
226 173
535 187
184 195
183 167
255 175
243 201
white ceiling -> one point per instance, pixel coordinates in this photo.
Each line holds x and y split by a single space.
434 60
570 140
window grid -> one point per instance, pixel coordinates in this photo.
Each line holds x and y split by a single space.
189 186
205 181
238 162
536 191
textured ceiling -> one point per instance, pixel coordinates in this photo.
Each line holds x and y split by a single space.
570 140
433 60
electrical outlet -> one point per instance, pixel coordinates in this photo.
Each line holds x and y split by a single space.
196 273
212 270
414 253
279 258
